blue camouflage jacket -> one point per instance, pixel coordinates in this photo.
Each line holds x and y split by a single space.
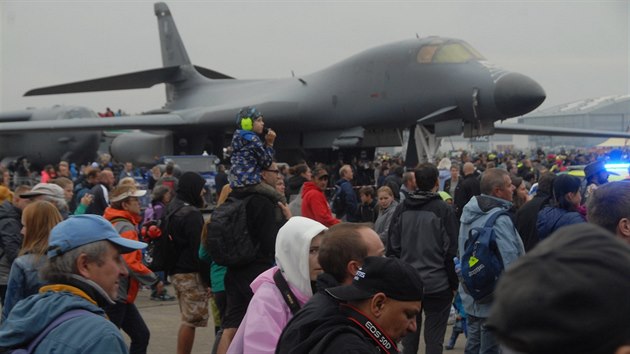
250 156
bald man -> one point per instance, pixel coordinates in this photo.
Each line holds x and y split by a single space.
467 188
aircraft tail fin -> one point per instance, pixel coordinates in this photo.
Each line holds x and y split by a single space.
173 50
177 72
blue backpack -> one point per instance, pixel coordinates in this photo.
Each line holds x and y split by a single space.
481 262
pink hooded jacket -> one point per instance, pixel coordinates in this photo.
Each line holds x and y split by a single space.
268 313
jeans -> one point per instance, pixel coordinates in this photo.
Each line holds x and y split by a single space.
127 317
436 308
480 340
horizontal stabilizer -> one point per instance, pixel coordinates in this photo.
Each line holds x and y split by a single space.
520 129
152 121
441 115
135 80
211 74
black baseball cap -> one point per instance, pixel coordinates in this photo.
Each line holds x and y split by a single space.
391 276
568 295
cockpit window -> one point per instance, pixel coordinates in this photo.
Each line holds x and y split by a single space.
447 52
426 53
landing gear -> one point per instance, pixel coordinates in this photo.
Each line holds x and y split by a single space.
429 144
422 146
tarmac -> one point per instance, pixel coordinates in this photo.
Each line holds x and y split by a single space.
163 320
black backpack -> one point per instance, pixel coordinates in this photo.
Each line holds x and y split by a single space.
161 252
481 262
338 202
228 241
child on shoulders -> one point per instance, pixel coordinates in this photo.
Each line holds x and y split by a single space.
250 155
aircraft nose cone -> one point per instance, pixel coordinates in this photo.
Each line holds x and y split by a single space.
516 94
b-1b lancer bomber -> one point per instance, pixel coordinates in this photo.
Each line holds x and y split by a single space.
437 86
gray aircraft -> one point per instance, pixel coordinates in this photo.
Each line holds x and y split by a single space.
437 86
42 148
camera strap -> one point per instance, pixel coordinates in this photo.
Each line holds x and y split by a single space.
287 294
370 328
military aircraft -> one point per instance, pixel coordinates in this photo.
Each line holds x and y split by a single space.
438 86
42 148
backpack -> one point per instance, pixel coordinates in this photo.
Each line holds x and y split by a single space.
481 262
228 241
338 203
161 251
32 345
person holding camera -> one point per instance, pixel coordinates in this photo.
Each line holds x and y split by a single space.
251 156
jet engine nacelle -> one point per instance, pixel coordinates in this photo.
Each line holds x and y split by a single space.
142 148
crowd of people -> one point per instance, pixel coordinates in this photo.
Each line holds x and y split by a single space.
357 257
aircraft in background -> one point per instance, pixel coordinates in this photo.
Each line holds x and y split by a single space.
41 148
437 86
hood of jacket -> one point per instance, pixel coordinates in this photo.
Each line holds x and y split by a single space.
296 182
189 188
420 198
7 210
310 186
31 315
112 214
480 206
341 181
292 251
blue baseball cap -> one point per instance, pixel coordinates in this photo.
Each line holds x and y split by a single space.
80 230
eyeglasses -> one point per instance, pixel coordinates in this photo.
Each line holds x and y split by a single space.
324 177
273 171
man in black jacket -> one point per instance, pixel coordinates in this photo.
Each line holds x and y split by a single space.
341 254
264 218
378 309
467 188
423 233
190 276
101 193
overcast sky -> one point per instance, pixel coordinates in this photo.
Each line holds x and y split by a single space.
574 49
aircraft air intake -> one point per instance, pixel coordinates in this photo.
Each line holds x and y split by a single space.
516 94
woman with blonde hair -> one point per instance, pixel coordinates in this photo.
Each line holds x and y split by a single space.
38 218
387 205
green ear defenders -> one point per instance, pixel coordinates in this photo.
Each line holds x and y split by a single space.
246 116
247 123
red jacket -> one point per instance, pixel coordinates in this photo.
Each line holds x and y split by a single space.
315 206
137 270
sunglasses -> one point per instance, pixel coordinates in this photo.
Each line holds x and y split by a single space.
324 177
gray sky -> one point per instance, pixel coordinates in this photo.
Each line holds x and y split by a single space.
574 49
